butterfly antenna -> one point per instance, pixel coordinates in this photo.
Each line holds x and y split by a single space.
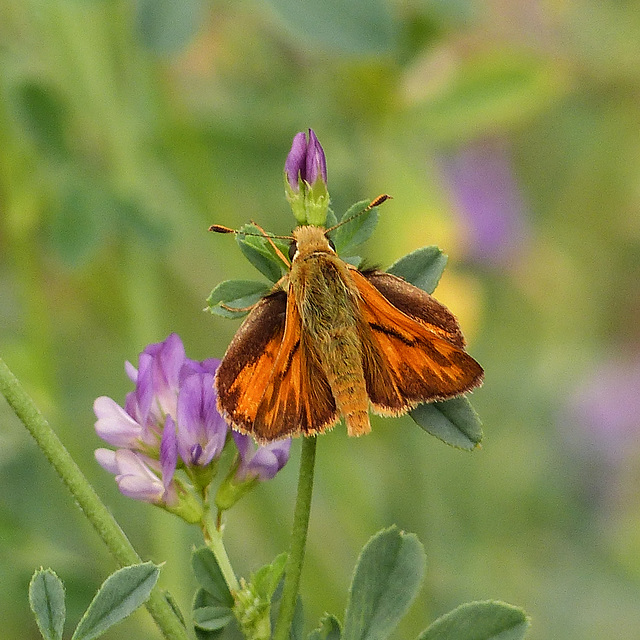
218 228
273 244
376 202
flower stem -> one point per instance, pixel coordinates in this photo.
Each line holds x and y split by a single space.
298 540
95 511
212 534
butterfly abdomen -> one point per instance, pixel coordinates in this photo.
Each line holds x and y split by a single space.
343 367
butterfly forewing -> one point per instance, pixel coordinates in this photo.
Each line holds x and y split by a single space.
297 397
269 383
246 369
417 304
408 360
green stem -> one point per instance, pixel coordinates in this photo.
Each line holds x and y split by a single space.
213 539
95 511
298 540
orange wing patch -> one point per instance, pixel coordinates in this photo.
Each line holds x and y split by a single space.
298 397
243 375
408 359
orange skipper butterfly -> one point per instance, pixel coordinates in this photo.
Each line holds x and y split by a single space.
331 341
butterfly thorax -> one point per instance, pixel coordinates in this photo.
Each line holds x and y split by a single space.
328 302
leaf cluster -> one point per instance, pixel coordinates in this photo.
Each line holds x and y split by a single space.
386 581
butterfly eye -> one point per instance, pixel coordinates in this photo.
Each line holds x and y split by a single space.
333 246
293 247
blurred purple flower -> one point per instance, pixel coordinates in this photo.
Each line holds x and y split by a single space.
601 418
306 160
171 415
487 200
259 461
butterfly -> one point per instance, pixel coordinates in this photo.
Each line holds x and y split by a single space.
332 341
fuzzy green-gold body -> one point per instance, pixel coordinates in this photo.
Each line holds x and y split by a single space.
328 303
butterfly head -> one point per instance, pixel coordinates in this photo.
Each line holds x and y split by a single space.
308 240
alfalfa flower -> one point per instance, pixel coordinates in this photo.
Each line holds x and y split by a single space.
169 422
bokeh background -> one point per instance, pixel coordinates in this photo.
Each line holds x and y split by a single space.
508 133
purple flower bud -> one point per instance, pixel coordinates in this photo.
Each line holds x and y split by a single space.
305 172
316 163
295 165
261 462
306 160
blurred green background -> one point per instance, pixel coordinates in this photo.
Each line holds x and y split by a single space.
508 133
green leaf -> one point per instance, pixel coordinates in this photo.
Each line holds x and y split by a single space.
331 218
352 234
203 599
238 294
488 620
44 116
454 421
266 579
120 595
261 254
386 580
329 629
171 601
166 26
365 27
46 599
212 618
210 577
422 268
356 261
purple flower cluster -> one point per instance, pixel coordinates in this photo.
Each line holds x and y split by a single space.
169 422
